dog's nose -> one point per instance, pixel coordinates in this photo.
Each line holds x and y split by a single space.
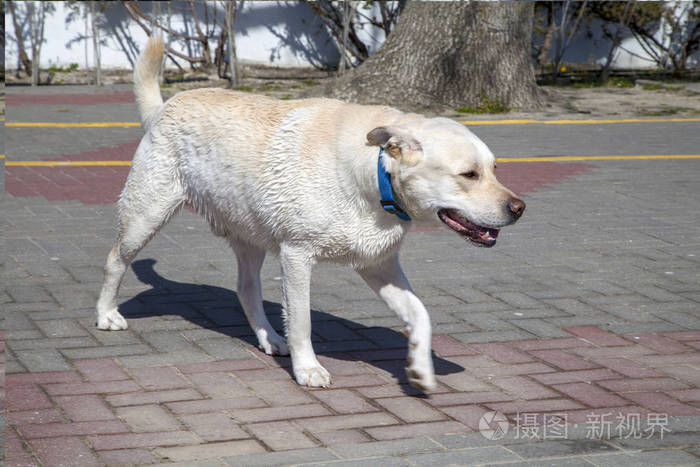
516 206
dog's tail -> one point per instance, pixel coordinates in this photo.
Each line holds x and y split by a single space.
146 85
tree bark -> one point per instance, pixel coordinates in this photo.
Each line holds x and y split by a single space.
449 54
23 58
231 10
96 44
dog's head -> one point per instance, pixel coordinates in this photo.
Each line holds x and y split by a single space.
441 170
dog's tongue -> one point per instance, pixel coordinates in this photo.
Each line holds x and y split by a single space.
474 232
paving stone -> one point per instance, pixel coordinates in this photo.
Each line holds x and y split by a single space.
674 439
61 328
159 378
340 422
262 374
42 360
596 335
659 343
223 349
399 447
146 418
100 370
281 435
524 388
64 451
590 394
644 459
107 351
341 437
26 397
464 382
626 367
474 456
107 387
548 405
139 440
575 376
642 384
44 377
410 409
290 457
415 429
502 353
127 457
52 430
280 393
51 343
153 397
661 403
539 327
510 370
84 407
206 451
560 448
344 401
214 426
668 360
215 405
224 366
465 398
499 336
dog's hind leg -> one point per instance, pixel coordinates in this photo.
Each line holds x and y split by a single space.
389 282
250 260
149 200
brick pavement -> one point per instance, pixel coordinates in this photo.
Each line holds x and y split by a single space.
587 307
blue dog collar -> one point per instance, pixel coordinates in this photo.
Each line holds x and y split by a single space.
388 202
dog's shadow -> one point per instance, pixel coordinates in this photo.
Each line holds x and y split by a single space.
218 309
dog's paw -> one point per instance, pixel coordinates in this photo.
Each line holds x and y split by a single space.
274 344
111 321
420 378
315 377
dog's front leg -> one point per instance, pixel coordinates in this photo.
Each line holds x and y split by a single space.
389 282
296 281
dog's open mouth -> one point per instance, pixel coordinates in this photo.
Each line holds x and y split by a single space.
483 236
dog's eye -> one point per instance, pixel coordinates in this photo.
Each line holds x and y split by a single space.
471 175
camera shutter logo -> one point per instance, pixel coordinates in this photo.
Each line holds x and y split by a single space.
493 425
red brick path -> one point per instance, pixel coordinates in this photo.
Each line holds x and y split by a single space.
102 185
102 412
70 99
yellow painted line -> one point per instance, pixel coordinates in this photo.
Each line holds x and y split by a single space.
66 163
2 156
594 158
576 122
500 159
465 122
72 125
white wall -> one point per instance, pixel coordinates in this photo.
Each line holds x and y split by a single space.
277 33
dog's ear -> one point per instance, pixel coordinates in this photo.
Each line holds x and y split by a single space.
396 141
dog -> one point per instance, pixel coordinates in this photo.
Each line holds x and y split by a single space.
308 180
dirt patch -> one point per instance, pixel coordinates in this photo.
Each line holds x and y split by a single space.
641 100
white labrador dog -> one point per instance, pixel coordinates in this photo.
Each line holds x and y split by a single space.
309 180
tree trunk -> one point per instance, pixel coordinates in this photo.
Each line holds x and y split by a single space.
36 22
231 10
23 58
96 45
449 54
